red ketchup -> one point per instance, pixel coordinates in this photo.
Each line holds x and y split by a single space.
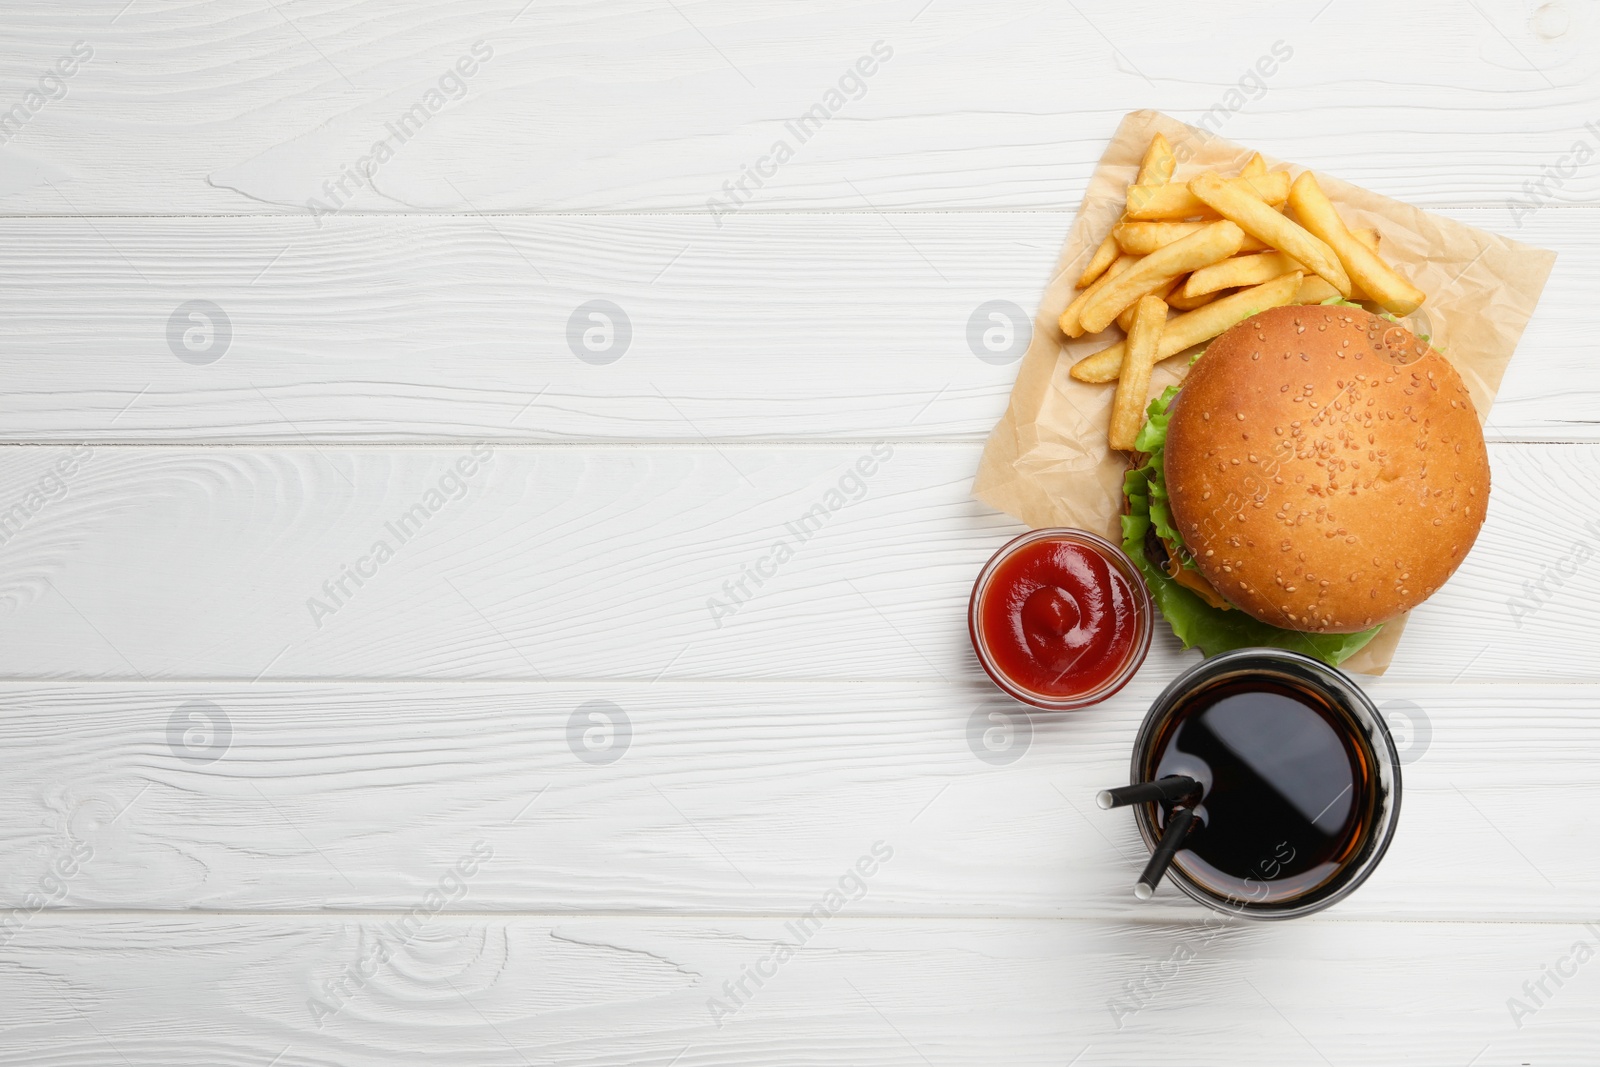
1060 619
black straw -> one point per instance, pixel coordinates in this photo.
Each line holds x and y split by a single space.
1178 824
1174 787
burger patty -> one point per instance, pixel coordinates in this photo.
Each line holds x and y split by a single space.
1167 558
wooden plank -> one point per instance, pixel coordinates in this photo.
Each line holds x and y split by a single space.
240 990
422 742
419 328
416 329
718 799
624 563
601 107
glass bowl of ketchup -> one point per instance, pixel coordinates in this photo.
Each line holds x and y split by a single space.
1060 619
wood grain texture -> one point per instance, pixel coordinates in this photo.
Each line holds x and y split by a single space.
456 328
164 526
604 106
717 799
626 563
501 992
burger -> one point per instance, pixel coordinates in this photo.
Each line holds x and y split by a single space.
1320 472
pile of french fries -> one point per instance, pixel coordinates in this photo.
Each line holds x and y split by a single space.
1216 250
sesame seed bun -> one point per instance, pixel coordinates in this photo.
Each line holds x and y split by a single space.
1326 469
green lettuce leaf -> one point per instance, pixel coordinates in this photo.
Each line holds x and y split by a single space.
1152 439
1196 623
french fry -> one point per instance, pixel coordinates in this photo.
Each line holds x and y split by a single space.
1200 249
1314 290
1126 315
1069 322
1158 164
1188 303
1237 271
1377 279
1155 169
1142 238
1164 203
1254 168
1177 201
1133 387
1259 220
1103 257
1189 329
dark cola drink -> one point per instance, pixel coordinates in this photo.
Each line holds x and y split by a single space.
1299 781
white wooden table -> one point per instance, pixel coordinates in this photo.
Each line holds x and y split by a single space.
541 782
